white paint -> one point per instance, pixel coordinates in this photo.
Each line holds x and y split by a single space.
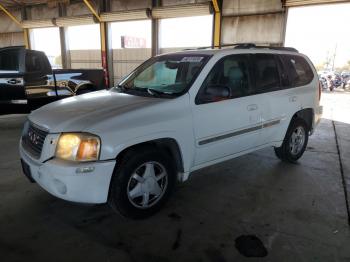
123 120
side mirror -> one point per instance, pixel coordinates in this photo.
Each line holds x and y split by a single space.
217 92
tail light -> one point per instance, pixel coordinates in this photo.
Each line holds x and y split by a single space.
319 90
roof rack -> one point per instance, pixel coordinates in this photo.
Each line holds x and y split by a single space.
248 46
251 45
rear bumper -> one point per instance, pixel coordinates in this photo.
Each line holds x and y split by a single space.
317 117
63 179
14 102
318 114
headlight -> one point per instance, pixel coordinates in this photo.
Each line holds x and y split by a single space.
78 147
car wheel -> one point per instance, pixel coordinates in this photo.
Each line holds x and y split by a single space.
142 182
295 141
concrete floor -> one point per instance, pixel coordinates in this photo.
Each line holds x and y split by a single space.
298 211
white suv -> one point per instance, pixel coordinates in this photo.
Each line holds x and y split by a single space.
174 114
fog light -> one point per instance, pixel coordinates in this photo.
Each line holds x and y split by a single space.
60 187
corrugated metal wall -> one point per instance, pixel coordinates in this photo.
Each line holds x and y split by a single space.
256 21
11 39
85 58
127 59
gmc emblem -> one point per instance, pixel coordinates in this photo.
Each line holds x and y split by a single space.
34 138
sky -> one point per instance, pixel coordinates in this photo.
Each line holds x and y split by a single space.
51 46
317 30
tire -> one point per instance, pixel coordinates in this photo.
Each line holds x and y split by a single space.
295 141
128 192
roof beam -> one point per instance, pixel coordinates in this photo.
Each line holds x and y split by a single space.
12 17
88 4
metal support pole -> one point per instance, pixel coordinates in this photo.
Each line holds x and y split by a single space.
103 36
284 29
104 48
65 55
155 30
26 38
217 24
155 37
26 35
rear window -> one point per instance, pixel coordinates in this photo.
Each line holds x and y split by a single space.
33 63
9 60
266 73
299 70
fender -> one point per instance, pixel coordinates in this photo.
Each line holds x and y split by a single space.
186 152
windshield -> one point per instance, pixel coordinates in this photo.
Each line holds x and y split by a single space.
9 60
167 75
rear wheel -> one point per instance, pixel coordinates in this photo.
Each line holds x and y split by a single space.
142 183
295 141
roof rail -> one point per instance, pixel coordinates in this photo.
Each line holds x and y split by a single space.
248 46
251 45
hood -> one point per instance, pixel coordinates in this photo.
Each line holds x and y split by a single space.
79 112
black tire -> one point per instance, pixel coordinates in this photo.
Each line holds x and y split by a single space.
285 152
119 198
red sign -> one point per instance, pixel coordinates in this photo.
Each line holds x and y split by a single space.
133 42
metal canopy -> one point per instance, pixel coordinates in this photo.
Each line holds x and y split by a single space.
18 3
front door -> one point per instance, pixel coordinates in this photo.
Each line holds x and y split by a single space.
231 125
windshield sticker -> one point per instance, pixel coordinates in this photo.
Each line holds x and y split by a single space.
192 59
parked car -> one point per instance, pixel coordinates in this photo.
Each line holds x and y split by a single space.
323 82
26 76
174 114
345 78
337 80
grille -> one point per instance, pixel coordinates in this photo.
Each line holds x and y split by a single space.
33 139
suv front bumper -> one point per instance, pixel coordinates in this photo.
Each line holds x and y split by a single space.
65 180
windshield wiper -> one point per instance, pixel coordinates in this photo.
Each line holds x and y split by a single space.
121 88
155 92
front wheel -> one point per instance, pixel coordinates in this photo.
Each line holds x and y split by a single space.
295 141
142 182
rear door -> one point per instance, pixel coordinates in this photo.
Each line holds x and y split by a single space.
285 97
38 80
11 80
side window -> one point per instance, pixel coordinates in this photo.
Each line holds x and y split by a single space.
229 78
9 60
33 63
299 70
266 73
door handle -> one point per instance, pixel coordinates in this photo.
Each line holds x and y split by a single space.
44 78
13 81
252 107
293 98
